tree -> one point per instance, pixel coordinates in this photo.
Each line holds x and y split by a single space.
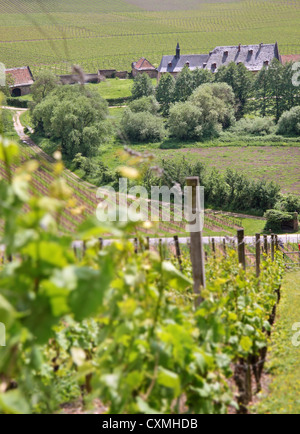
184 85
276 89
261 92
165 92
201 76
144 126
216 101
240 79
185 121
9 81
142 86
145 104
209 109
46 82
75 117
291 93
289 123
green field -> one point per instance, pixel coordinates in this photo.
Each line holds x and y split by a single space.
104 33
272 163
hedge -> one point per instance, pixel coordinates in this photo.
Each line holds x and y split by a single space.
17 102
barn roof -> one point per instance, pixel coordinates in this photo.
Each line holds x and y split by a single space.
176 64
143 65
290 58
254 57
22 76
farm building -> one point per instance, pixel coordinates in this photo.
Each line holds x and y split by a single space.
290 58
143 66
254 57
22 80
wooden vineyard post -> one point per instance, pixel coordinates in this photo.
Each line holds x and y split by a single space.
266 244
161 248
147 243
178 252
273 247
136 246
197 251
213 244
258 257
276 242
241 247
224 247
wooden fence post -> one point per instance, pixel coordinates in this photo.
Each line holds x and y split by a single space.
276 242
224 247
273 247
178 252
213 244
266 244
147 243
136 246
160 247
241 247
197 251
257 249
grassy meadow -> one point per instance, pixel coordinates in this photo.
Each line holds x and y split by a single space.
105 34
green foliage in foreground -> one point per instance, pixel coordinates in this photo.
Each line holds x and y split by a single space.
282 397
123 325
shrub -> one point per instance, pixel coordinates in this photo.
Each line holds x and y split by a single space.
145 104
216 101
254 126
289 123
209 109
185 121
142 126
289 203
275 219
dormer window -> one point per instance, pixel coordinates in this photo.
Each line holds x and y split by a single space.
251 52
170 64
204 65
214 66
187 64
226 53
266 63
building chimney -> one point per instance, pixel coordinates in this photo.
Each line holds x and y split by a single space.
239 47
178 51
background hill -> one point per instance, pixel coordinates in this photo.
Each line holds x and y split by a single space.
104 33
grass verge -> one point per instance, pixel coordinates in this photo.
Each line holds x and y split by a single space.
284 391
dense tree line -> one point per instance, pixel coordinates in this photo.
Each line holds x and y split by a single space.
192 105
230 190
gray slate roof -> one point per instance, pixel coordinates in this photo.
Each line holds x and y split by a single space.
195 61
254 57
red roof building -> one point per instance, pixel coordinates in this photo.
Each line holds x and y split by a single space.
290 58
22 80
144 66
